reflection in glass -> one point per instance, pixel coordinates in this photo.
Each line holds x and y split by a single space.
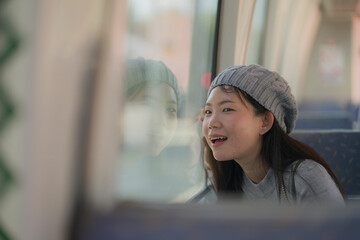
152 98
170 50
152 166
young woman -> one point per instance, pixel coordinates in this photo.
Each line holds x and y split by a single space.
246 121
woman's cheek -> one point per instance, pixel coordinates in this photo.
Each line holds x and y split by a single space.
204 128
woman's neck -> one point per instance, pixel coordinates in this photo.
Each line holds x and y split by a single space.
255 169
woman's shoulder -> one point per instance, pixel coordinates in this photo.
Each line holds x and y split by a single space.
206 196
309 171
306 166
313 181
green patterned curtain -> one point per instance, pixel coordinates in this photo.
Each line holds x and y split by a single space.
9 43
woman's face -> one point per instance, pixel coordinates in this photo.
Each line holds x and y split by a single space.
231 127
151 118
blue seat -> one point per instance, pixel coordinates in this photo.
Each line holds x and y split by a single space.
324 120
341 149
320 106
353 109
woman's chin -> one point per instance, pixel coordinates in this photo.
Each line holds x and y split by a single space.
221 158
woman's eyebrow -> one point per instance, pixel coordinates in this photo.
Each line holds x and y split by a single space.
220 103
224 102
172 102
148 96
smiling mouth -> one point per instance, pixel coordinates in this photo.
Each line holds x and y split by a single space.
215 140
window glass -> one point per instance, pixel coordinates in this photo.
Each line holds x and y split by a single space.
167 72
313 48
256 37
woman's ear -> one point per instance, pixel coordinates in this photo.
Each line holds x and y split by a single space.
267 122
202 114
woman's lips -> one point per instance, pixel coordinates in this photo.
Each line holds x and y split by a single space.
218 143
217 140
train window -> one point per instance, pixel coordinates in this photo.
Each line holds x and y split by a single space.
315 50
167 71
256 36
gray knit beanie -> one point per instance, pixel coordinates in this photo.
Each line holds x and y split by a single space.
140 71
266 87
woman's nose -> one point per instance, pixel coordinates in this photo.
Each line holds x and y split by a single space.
214 122
159 119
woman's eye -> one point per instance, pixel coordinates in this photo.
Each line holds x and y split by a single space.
227 109
171 109
207 112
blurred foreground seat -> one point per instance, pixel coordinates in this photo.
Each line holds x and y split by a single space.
223 221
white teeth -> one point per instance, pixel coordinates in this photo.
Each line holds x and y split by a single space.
218 138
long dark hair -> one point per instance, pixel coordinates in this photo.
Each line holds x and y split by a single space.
278 150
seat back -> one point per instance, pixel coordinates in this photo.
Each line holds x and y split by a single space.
341 149
324 120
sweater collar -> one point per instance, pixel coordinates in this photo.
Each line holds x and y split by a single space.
261 189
